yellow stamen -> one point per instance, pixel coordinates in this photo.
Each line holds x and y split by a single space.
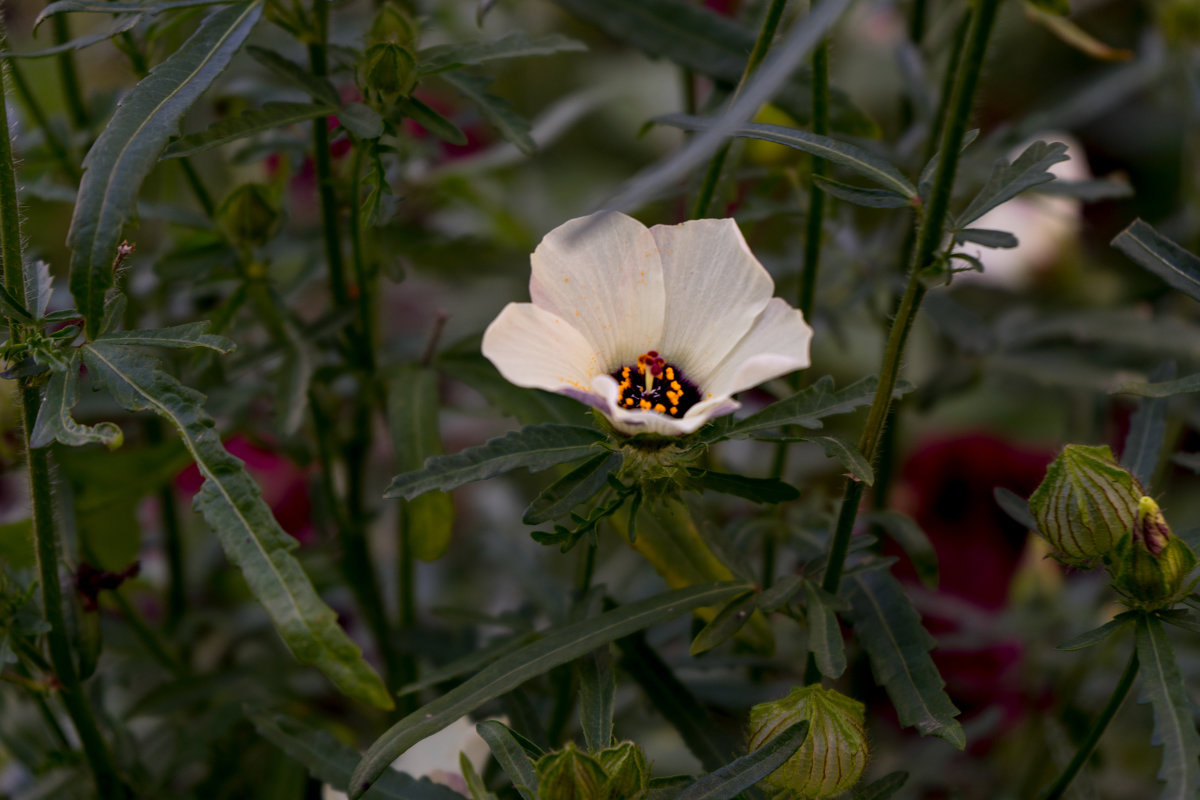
628 401
674 410
659 407
645 404
670 374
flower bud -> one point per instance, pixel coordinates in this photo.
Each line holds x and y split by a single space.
1152 564
393 25
1086 504
390 70
628 774
834 754
250 215
569 774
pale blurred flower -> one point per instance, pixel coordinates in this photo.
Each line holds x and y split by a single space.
657 328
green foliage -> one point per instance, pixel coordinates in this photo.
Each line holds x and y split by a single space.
511 757
248 123
1174 718
1160 256
748 770
1030 169
515 45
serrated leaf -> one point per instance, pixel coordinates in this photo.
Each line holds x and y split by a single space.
535 447
130 144
119 25
844 154
912 540
362 121
1097 635
510 756
1030 169
730 619
514 45
985 237
824 634
332 761
859 196
732 779
431 120
511 125
597 698
248 123
883 788
889 629
1155 253
39 286
192 334
1174 717
809 406
232 505
577 486
759 490
319 89
1147 431
54 421
556 647
413 420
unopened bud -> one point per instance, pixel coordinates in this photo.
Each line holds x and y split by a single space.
1152 564
569 774
834 754
393 25
390 70
627 771
1086 504
250 215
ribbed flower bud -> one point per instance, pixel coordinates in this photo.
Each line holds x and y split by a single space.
393 25
1152 564
834 754
1086 504
250 214
570 774
627 771
390 70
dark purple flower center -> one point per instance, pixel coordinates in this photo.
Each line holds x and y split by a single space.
654 385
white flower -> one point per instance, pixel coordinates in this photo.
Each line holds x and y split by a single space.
657 328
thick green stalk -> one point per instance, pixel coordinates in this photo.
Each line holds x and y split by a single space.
929 236
1059 787
319 63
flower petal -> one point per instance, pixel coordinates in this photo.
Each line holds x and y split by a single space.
715 289
536 349
602 274
775 345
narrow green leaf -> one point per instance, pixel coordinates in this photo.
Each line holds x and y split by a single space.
116 7
535 447
732 617
1030 169
577 486
319 89
809 406
1097 635
859 196
331 761
844 154
475 785
1155 253
412 408
1147 431
192 334
986 237
514 45
1089 191
248 123
472 662
1174 718
362 121
848 454
118 26
760 490
1015 506
1181 618
431 120
556 647
511 125
734 778
824 634
54 421
231 504
781 593
130 144
597 698
890 630
1185 385
883 788
912 541
510 756
925 180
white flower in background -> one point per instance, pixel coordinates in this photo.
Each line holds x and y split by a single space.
655 327
1045 225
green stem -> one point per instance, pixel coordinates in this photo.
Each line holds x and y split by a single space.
198 188
929 236
69 76
366 323
939 117
816 197
1059 787
318 60
56 145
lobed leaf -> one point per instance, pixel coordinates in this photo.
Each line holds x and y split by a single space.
248 123
556 647
759 490
54 421
1155 253
1174 718
511 125
807 407
734 778
576 487
510 756
231 503
192 334
431 120
859 196
1008 180
514 45
535 447
130 144
889 629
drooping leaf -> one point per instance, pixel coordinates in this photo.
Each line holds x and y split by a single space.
511 125
890 630
413 421
556 647
912 540
760 490
824 635
1147 430
883 788
318 88
1030 169
119 25
332 761
597 698
431 120
191 334
130 144
729 781
231 503
510 756
54 421
248 123
844 154
985 237
514 45
1097 635
577 486
730 619
860 196
1156 253
1174 717
535 447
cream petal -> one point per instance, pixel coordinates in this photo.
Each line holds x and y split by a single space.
715 289
634 421
602 274
775 345
536 349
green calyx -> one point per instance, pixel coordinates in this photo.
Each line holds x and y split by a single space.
393 25
615 773
250 214
1086 505
1151 566
834 755
390 70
